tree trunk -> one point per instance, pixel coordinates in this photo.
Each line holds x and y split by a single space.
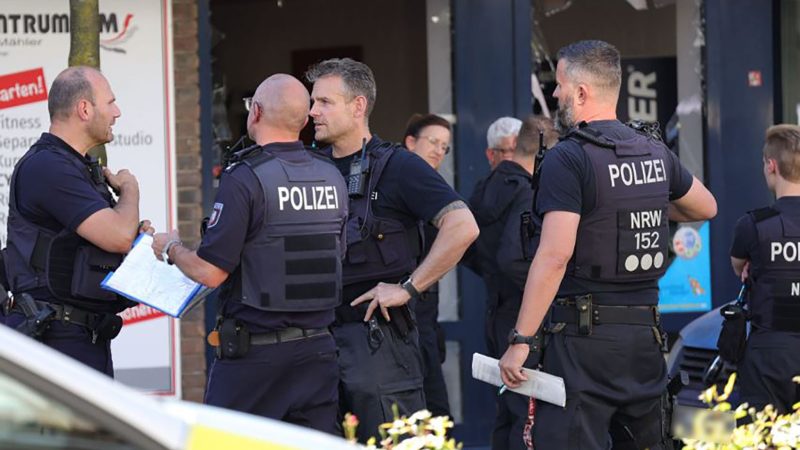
84 48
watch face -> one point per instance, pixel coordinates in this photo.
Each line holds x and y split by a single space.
512 336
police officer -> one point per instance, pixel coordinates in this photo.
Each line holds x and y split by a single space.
765 252
489 202
275 238
511 181
428 136
66 230
379 356
605 195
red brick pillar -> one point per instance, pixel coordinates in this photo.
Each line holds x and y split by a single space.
189 180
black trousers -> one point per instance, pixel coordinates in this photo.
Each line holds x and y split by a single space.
512 408
614 378
771 359
74 341
431 344
376 377
296 382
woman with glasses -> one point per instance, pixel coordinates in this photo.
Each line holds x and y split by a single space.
429 137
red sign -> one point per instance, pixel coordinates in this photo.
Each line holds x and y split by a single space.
22 88
139 313
754 78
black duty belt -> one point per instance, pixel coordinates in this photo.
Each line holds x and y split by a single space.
286 335
568 312
67 314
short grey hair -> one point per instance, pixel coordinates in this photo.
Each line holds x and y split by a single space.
70 85
357 77
593 62
501 128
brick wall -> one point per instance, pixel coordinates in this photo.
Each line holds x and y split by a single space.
189 180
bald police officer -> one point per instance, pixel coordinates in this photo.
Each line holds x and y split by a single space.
605 194
765 252
275 243
66 230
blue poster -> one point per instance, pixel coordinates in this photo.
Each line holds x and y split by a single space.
686 287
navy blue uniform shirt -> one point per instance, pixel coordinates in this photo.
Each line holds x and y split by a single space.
52 192
241 205
409 190
745 236
567 183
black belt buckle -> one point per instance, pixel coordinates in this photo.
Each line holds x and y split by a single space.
584 306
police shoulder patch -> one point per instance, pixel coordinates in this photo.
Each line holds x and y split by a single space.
215 214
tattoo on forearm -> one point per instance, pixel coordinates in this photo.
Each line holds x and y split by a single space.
458 204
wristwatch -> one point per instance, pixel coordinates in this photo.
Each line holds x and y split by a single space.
408 285
167 248
515 338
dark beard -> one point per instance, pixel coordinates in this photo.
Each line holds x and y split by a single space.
565 120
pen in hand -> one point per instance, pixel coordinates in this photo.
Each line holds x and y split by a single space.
502 389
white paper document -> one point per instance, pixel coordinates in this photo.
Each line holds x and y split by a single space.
540 385
143 278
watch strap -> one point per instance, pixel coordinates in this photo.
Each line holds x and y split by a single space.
408 285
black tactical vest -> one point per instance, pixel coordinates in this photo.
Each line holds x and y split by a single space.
625 237
775 271
294 262
378 247
70 267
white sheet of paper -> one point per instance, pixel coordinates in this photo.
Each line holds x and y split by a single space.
540 385
143 278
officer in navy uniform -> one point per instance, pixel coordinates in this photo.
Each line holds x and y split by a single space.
66 230
765 252
391 190
275 238
605 195
512 258
490 201
428 136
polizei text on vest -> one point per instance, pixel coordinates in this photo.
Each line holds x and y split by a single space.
639 172
308 198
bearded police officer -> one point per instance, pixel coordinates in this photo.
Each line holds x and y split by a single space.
275 239
66 230
391 190
765 252
606 193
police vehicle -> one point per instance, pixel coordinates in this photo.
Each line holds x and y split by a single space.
48 401
695 351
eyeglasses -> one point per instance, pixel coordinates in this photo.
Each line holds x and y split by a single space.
437 143
248 103
504 151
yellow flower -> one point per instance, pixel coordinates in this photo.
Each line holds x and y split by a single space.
728 388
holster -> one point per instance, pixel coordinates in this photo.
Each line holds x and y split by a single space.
234 339
584 306
402 321
107 327
36 318
733 335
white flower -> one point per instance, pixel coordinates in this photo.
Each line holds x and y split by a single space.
422 414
